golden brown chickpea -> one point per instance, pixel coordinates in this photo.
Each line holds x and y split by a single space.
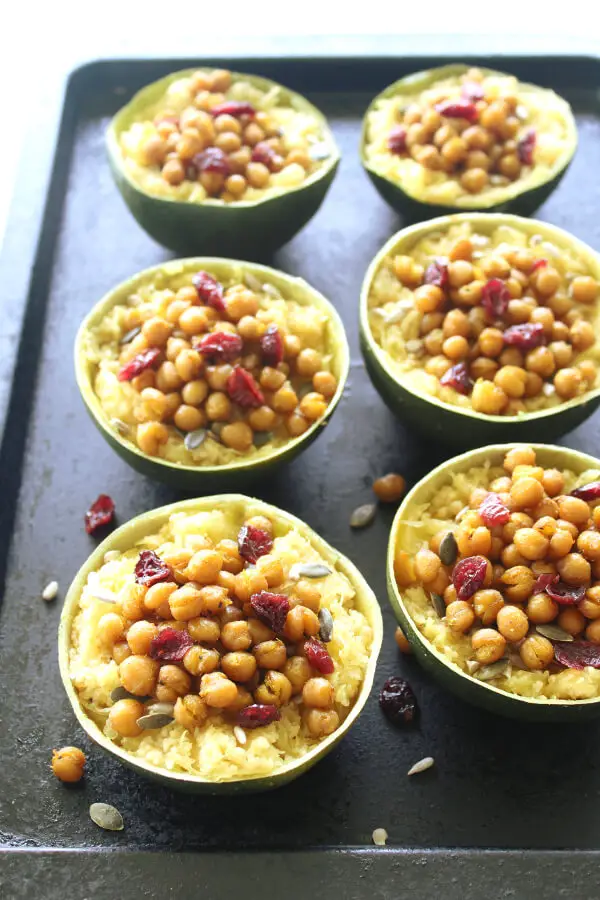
428 298
230 613
473 541
270 654
259 632
190 711
584 289
568 526
167 381
320 722
204 566
307 595
427 565
218 407
110 629
140 635
238 436
272 570
308 363
588 543
318 692
573 510
518 583
519 456
437 365
275 689
488 398
313 406
592 632
271 379
173 172
214 599
460 272
590 605
541 361
185 603
482 367
285 400
531 543
325 383
474 180
249 582
200 660
175 679
138 675
389 488
511 557
68 764
571 620
488 645
120 652
511 357
574 569
262 419
512 623
526 493
542 609
300 622
194 392
583 335
123 716
491 342
562 353
536 652
188 364
402 641
512 380
238 666
189 418
509 166
244 698
455 348
157 331
459 616
431 322
203 629
236 636
150 436
217 690
587 367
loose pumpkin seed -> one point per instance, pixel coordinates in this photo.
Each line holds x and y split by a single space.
194 439
494 670
154 720
326 622
363 515
421 766
308 570
119 693
106 816
120 426
130 335
438 604
262 437
252 282
50 591
448 549
380 836
165 709
554 633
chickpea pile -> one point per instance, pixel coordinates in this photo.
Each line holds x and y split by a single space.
475 139
545 533
226 146
233 659
502 325
187 389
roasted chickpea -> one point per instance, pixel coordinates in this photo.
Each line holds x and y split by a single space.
300 622
238 666
574 569
459 616
236 636
568 382
573 510
542 609
512 623
270 654
320 722
584 289
120 651
217 690
204 629
259 632
123 716
190 711
151 436
592 632
526 493
571 620
204 566
427 565
138 675
110 628
175 679
531 543
140 636
486 604
518 581
308 363
68 764
488 398
488 645
536 652
318 692
186 603
298 671
325 383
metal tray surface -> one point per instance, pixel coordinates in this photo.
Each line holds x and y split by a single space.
495 784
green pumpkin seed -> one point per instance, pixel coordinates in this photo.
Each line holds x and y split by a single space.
165 709
554 633
494 670
119 693
154 720
363 515
120 426
438 604
326 622
130 335
106 816
448 549
262 437
194 439
308 570
252 282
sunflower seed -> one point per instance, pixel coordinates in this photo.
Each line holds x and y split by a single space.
194 439
119 693
240 735
554 633
111 556
50 591
165 709
437 601
309 570
130 335
319 152
262 437
421 766
106 816
120 426
363 515
326 622
494 670
252 282
380 836
448 550
271 290
154 720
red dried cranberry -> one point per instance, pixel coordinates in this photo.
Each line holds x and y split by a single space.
150 569
436 273
493 511
258 714
472 91
220 346
577 654
265 154
253 543
213 159
243 389
525 147
170 645
272 609
468 576
525 337
458 109
141 362
209 290
542 582
100 513
495 298
457 377
397 140
398 702
318 656
235 108
271 345
565 594
587 492
539 264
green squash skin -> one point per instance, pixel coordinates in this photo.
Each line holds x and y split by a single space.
124 538
415 210
252 229
456 426
449 676
204 479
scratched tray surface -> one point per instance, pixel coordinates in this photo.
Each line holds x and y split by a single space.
495 783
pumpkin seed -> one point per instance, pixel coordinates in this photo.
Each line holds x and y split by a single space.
326 622
380 836
154 720
50 591
252 282
308 570
421 766
319 152
106 816
216 429
554 633
130 335
517 663
194 439
494 670
165 709
448 549
120 426
363 515
262 437
438 604
472 666
271 290
120 693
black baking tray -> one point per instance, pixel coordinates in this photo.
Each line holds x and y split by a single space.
509 809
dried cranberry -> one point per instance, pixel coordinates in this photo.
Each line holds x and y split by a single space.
436 273
539 264
272 609
525 147
141 362
271 345
525 337
253 543
213 159
220 346
472 91
265 154
100 513
397 140
495 298
457 377
468 576
170 645
587 492
542 582
258 714
150 569
243 389
565 594
493 511
318 656
458 109
577 654
235 108
398 702
209 290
